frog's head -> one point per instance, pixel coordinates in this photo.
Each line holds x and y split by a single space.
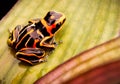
53 21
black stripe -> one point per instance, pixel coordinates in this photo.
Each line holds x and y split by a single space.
30 42
44 32
36 51
22 44
32 59
47 17
56 28
22 34
24 28
42 28
32 52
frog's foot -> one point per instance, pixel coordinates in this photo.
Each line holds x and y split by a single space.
31 55
44 59
59 42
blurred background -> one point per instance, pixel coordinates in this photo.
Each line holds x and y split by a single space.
5 6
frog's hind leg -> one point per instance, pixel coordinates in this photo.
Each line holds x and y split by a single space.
14 35
31 55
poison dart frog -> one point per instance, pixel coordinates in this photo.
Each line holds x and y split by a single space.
33 40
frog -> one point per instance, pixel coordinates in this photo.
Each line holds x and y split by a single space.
32 41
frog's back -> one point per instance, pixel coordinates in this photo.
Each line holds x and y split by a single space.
28 37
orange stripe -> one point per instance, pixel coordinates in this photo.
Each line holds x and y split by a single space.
35 41
27 42
38 32
23 38
22 59
30 54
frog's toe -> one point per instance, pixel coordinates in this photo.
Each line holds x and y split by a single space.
44 59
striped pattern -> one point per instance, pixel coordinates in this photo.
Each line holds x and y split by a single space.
23 38
34 36
31 55
89 23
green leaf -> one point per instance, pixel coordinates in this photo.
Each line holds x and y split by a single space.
89 23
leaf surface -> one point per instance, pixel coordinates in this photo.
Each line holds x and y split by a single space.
89 23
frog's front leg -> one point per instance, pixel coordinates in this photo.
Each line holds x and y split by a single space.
31 55
14 35
48 42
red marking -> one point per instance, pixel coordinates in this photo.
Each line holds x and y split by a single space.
49 29
35 41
